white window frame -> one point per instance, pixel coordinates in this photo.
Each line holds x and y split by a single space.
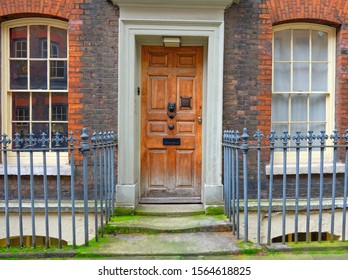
6 99
330 100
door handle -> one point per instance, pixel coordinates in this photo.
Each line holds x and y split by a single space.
199 119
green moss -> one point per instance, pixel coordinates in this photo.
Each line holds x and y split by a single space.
319 244
214 210
124 211
124 218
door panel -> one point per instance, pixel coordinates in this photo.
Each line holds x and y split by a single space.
171 173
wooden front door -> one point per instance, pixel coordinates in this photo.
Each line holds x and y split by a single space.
171 124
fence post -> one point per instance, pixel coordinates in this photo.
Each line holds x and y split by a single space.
272 137
72 140
95 179
18 141
31 143
245 148
310 137
335 138
258 135
225 170
345 190
5 142
57 139
43 140
298 139
113 171
84 150
322 137
286 137
237 139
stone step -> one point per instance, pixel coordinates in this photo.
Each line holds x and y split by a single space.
168 224
169 209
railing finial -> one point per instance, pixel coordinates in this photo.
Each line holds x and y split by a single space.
258 135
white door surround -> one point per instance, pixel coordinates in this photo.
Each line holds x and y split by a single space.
147 25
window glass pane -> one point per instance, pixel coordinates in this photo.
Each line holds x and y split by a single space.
317 107
18 42
38 77
18 74
301 77
316 128
62 129
38 129
280 107
38 39
301 45
319 46
319 76
299 107
282 45
295 127
279 128
58 42
20 106
281 77
59 107
58 75
40 107
22 129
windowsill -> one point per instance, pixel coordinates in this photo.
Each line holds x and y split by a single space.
65 170
291 168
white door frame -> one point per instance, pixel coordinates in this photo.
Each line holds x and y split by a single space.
138 23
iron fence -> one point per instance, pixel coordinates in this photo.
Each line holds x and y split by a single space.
250 181
91 158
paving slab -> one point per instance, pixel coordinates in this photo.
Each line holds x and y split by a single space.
175 244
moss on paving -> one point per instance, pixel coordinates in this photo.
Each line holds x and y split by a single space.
218 210
319 244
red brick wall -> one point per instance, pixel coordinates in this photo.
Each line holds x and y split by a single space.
333 13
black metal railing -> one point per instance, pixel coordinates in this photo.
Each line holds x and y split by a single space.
257 177
92 181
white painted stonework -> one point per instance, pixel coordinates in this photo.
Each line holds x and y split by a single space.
146 22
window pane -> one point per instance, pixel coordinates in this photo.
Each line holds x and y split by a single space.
22 129
319 46
58 42
59 107
301 77
279 128
20 106
295 127
18 42
18 74
281 77
38 129
282 45
58 75
40 107
316 128
319 76
301 45
317 107
280 107
38 39
62 129
38 77
298 107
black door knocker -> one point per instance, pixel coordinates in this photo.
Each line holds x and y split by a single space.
171 110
